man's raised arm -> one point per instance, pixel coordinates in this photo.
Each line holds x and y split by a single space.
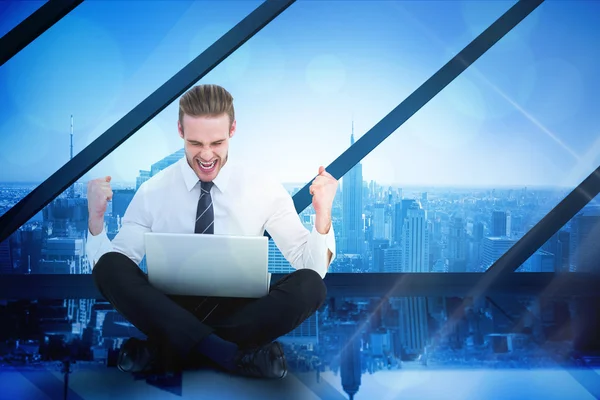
135 222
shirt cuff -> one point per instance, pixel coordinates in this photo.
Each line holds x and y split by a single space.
95 246
322 243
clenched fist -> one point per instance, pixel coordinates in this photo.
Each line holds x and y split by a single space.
323 190
99 194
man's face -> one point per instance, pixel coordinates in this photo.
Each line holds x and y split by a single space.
206 143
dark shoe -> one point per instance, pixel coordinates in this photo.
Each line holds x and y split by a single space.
136 356
265 362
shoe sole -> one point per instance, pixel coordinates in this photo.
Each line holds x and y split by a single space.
126 349
130 347
281 354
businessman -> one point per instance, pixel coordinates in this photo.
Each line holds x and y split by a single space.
206 193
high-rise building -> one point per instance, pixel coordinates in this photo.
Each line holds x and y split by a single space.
415 240
392 259
498 224
478 231
475 247
413 328
406 204
352 208
350 360
389 224
379 221
398 222
457 246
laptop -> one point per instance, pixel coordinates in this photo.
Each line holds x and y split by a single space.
208 265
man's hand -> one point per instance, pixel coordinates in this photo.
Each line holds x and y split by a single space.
323 190
99 194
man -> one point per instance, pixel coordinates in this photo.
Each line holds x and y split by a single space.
206 193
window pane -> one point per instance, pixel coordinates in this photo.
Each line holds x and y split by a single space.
96 64
489 156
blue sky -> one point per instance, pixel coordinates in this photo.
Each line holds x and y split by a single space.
523 114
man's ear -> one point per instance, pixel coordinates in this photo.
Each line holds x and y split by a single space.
180 129
232 129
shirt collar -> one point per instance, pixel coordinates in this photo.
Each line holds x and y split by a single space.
191 179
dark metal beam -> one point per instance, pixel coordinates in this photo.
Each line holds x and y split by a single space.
33 26
548 226
343 285
48 190
428 90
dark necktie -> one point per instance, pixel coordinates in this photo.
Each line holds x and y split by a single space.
205 216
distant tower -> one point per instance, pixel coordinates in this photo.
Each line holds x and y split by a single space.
72 188
350 358
352 222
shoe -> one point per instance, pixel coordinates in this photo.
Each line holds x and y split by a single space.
265 362
136 356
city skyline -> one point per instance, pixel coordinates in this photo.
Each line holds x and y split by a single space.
502 122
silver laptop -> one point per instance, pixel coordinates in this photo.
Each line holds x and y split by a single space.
208 265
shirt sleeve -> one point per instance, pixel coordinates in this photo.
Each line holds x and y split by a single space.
130 238
301 247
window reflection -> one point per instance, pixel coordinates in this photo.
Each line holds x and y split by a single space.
352 344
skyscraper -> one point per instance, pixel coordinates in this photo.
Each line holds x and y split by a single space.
350 360
379 221
415 240
352 208
398 222
415 258
457 246
498 224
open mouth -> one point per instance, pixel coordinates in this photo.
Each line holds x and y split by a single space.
207 167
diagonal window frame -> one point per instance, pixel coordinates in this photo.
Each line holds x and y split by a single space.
34 26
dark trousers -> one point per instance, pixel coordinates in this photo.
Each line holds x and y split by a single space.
176 324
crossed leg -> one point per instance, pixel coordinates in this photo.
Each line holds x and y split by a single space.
176 324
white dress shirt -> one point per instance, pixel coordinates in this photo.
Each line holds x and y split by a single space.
245 203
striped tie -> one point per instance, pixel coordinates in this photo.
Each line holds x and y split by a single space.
205 216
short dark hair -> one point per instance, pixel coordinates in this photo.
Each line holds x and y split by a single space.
206 100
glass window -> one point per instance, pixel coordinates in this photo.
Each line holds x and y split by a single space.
490 155
95 65
294 89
